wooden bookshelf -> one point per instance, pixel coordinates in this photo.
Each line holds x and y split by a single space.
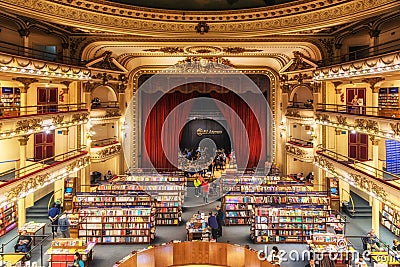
8 218
10 99
104 199
133 225
288 224
333 191
62 250
388 100
238 207
390 219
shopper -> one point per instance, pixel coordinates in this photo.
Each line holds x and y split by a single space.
396 245
58 205
108 176
53 216
274 257
78 262
206 189
64 225
220 220
339 225
372 241
312 263
360 262
213 224
23 242
196 184
327 261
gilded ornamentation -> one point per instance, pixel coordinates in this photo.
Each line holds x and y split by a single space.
29 124
372 82
166 50
293 113
202 27
202 64
81 117
113 113
341 120
105 153
395 128
359 123
322 117
23 140
26 82
58 119
203 49
367 125
239 50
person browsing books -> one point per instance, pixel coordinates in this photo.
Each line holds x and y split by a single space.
78 262
213 224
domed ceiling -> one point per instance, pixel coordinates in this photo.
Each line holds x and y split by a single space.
202 5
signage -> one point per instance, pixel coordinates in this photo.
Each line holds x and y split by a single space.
201 132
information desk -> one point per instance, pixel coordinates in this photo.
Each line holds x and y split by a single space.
384 259
32 228
194 253
197 228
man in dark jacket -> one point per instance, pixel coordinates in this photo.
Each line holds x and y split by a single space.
53 217
220 220
212 222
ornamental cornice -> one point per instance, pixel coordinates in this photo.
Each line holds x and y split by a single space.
303 154
104 153
105 16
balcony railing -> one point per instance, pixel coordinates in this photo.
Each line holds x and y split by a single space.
388 47
12 174
104 142
11 112
363 167
300 105
18 50
109 104
385 112
300 142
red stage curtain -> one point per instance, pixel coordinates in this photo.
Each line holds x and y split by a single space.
156 153
253 130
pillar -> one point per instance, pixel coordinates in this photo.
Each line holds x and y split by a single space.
21 212
65 91
337 53
375 94
373 40
84 177
344 191
338 92
24 34
375 155
59 189
24 91
23 141
375 216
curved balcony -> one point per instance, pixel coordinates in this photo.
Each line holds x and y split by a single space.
20 121
104 149
301 112
377 183
104 112
300 149
17 183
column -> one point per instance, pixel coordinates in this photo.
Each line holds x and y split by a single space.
24 91
21 211
23 141
375 94
373 41
59 189
337 53
84 179
338 92
64 97
375 155
24 34
344 191
375 216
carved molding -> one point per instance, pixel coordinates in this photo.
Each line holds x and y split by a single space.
101 15
300 153
26 82
58 119
105 153
372 82
23 140
341 120
80 117
395 128
29 124
293 113
166 50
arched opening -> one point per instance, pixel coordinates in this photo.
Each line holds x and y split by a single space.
301 97
104 96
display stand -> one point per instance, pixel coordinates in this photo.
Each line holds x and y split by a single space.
62 251
197 228
32 228
69 192
8 218
333 191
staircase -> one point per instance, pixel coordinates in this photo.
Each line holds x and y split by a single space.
39 212
361 208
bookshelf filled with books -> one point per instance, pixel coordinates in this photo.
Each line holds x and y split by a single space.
288 223
117 225
390 219
107 200
69 192
8 218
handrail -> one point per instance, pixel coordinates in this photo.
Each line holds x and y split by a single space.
388 47
359 166
104 142
107 104
39 109
42 163
301 105
389 112
353 211
13 49
300 142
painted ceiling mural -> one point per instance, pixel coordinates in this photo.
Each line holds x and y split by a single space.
202 5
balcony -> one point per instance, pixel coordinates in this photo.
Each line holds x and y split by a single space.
20 121
377 183
376 121
300 112
104 149
378 60
104 112
300 149
17 183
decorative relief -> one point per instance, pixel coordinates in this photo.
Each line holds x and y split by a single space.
322 117
29 124
113 113
341 120
395 128
300 153
105 153
58 119
80 117
293 113
166 50
203 49
239 50
367 125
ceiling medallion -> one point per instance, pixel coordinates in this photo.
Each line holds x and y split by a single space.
166 50
201 50
239 50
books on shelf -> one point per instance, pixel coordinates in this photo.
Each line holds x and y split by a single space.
8 218
390 218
